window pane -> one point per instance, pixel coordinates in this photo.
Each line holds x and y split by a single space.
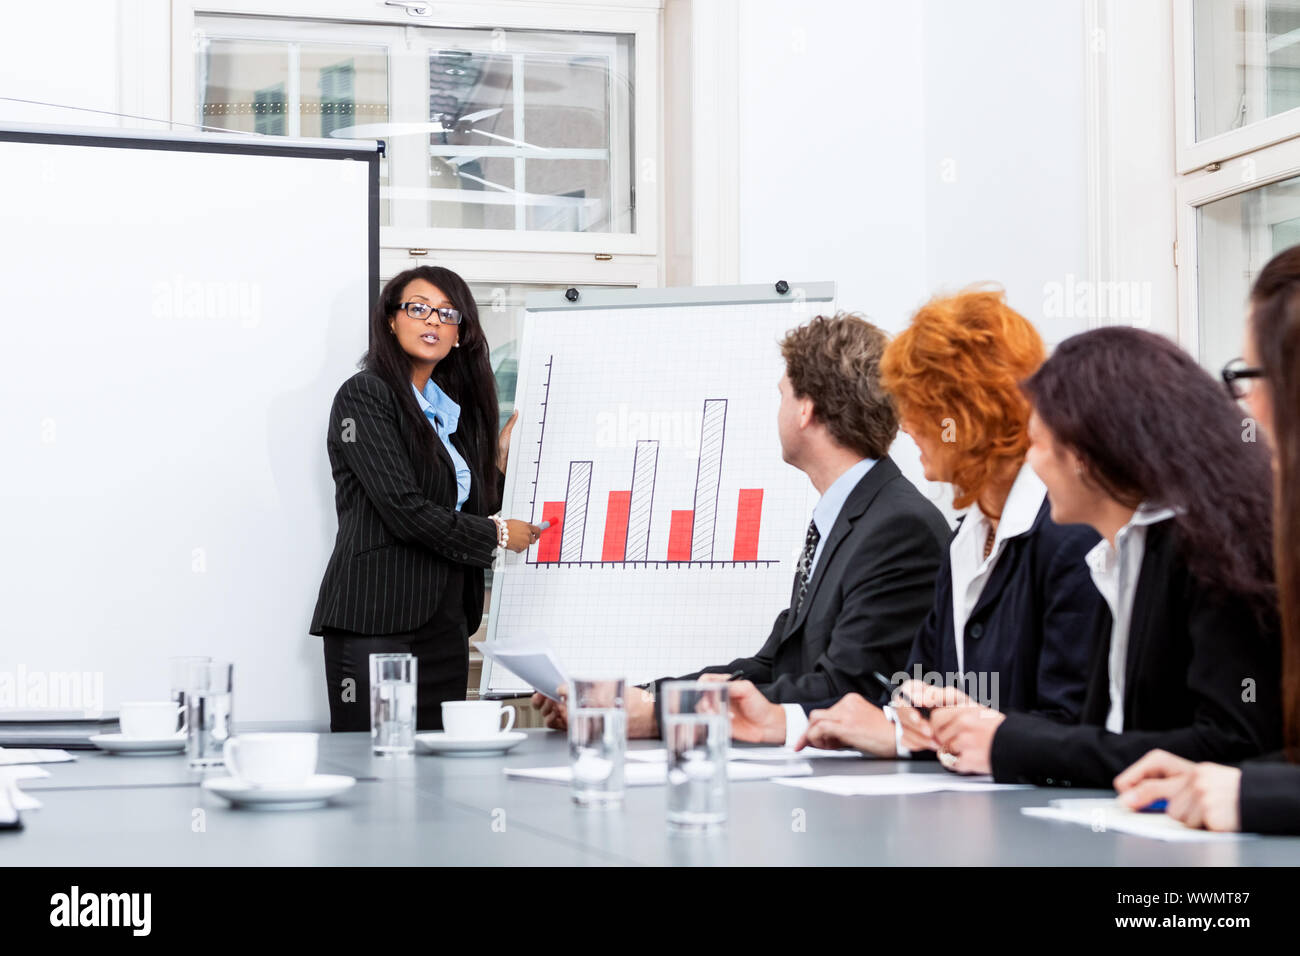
1247 62
486 129
1236 236
535 141
283 88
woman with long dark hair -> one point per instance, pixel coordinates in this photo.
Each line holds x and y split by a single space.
1133 438
1263 795
418 469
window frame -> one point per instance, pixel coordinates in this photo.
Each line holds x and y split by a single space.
639 18
1193 154
1232 178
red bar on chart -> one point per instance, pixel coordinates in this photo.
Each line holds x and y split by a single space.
548 545
615 546
679 535
748 511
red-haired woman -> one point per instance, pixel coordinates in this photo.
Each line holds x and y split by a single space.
1261 796
1013 594
1131 436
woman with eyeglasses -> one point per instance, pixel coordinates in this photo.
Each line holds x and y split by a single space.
1132 437
418 472
1260 796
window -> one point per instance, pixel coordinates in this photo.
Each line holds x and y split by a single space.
514 137
1238 188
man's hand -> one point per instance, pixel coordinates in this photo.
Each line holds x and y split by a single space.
852 722
754 718
555 715
1198 794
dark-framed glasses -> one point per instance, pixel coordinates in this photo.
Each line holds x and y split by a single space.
422 310
1238 377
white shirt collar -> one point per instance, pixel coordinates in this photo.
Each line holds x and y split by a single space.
1101 558
1018 512
832 502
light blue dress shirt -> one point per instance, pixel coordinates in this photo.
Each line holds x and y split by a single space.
444 416
832 502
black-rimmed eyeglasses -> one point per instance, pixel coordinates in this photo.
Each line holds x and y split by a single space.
1237 377
422 310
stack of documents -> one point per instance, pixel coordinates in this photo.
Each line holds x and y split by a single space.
1108 814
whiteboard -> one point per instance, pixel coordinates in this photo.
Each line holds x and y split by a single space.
648 437
177 314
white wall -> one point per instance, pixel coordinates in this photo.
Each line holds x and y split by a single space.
905 149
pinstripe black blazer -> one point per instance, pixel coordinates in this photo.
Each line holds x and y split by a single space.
400 534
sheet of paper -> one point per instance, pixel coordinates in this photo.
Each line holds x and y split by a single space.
1109 815
10 756
757 754
534 663
655 774
893 784
10 792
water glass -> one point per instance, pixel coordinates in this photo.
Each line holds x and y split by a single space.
597 740
392 704
697 733
179 669
209 698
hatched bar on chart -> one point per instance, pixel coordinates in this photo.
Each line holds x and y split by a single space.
644 466
576 496
708 477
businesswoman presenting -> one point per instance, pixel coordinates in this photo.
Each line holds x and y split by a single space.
418 470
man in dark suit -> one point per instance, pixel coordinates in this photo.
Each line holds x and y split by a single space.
864 580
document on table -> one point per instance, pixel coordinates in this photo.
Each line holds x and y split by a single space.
530 659
11 793
10 756
758 754
1109 814
655 774
894 784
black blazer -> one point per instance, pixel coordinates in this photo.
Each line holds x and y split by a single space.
1269 797
1191 653
872 585
401 540
1031 626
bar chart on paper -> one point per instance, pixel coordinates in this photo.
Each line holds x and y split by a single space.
648 441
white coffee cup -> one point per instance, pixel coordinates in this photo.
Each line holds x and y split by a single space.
149 719
267 760
477 719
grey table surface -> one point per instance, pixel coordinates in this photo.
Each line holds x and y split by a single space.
106 810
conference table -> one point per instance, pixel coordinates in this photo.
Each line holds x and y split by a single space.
426 810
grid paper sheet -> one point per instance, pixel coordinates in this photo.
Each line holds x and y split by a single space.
651 434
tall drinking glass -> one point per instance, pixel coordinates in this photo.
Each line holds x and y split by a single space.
179 669
209 698
392 704
697 733
597 740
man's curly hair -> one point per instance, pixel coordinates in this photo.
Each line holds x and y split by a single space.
836 362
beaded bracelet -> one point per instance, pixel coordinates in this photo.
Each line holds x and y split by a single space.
503 531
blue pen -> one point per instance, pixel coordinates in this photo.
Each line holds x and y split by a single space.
1155 806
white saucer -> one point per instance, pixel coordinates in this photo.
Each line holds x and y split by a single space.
122 744
438 742
313 792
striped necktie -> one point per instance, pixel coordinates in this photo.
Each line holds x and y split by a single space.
805 563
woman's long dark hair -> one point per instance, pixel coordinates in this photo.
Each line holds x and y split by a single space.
465 375
1275 328
1151 425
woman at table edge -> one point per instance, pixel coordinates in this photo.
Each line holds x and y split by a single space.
1263 795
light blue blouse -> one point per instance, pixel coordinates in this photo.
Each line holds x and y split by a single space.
444 416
